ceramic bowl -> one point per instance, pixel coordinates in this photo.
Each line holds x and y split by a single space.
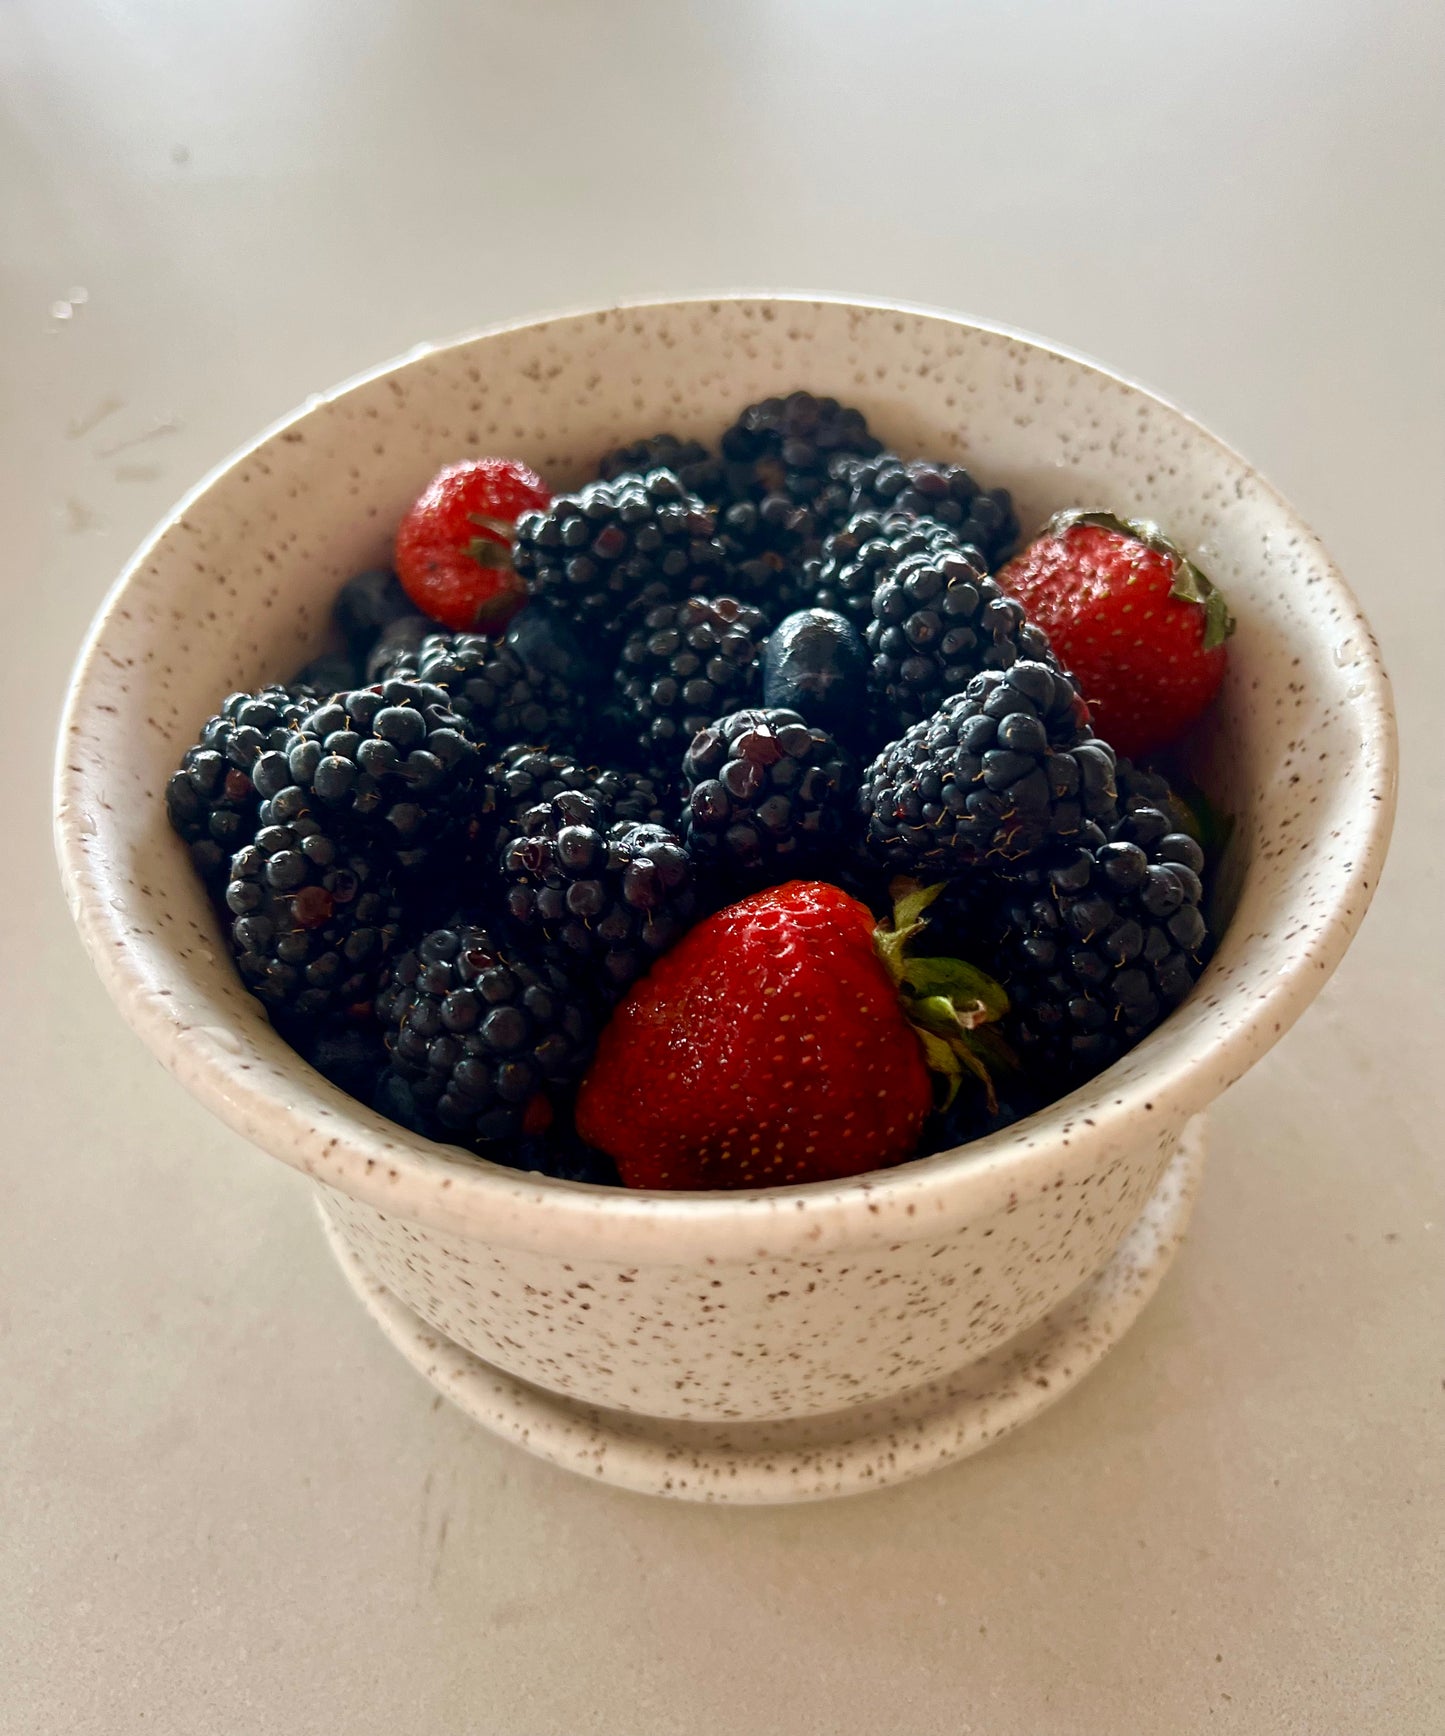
744 1310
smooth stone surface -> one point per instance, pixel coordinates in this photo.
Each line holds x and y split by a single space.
228 1505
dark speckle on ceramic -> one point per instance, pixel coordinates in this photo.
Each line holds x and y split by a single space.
770 1308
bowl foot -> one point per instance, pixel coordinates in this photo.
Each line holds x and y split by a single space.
812 1458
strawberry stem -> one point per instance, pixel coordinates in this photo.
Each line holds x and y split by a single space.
950 1003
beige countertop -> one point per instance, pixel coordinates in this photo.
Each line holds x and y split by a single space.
225 1503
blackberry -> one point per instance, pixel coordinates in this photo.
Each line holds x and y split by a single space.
495 693
394 652
613 548
527 778
602 900
1098 944
782 449
697 469
856 559
766 795
984 518
938 620
1003 769
780 500
211 800
314 920
684 665
477 1032
814 663
392 762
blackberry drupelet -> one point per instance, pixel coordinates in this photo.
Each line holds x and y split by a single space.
697 469
856 559
478 1033
1002 770
602 900
614 548
983 518
493 690
685 664
1096 946
767 796
211 800
939 620
314 920
391 763
528 778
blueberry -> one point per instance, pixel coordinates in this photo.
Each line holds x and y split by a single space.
545 641
815 663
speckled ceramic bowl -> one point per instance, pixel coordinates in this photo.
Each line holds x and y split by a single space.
826 1308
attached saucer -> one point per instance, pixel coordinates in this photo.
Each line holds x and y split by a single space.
815 1457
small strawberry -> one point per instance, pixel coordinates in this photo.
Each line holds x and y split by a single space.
783 1040
454 547
1138 625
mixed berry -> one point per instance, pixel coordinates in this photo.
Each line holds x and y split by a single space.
742 817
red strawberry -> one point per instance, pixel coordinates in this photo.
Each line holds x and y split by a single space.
1138 625
771 1046
454 547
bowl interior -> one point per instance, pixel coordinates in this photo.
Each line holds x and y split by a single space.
235 588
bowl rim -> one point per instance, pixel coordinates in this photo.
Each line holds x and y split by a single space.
350 1147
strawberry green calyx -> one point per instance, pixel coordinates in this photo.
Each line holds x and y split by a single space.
1190 584
950 1003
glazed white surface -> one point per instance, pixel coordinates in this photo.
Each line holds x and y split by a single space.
228 1503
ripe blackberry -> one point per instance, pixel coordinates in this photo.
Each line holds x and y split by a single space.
983 518
314 920
1001 770
394 651
211 800
697 469
528 778
613 548
684 665
494 691
602 900
766 795
781 448
479 1031
938 620
780 498
856 559
391 762
1095 946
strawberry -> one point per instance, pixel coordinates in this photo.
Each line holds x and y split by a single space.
454 547
1136 622
783 1040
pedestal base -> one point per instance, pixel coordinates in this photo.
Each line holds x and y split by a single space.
845 1452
